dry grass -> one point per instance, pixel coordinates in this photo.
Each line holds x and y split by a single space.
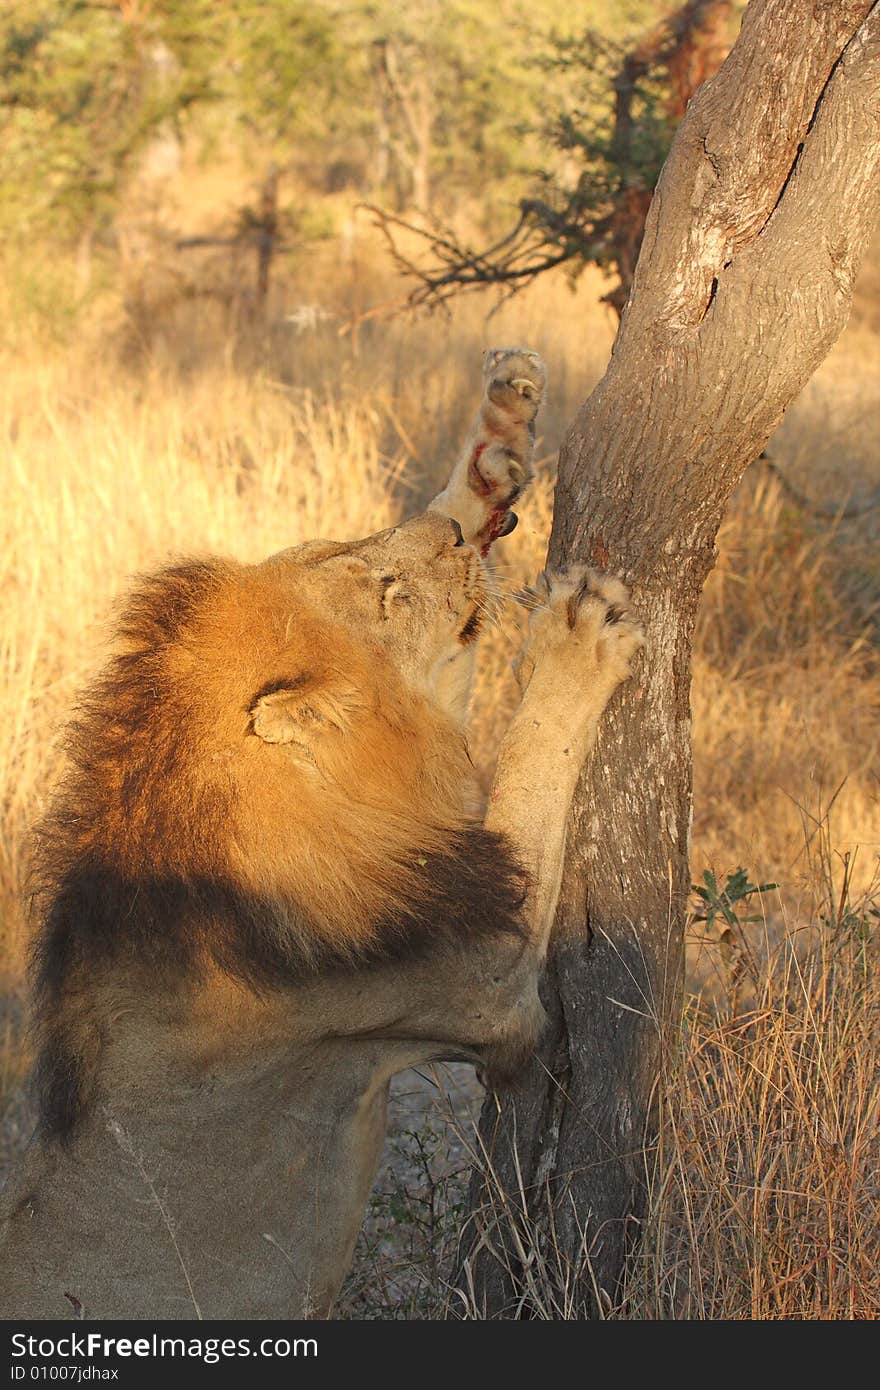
764 1188
786 696
764 1196
206 434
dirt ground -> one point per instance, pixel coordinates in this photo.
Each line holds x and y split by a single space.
405 1249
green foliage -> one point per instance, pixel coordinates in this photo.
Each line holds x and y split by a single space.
76 96
723 905
489 77
590 65
468 70
285 68
83 87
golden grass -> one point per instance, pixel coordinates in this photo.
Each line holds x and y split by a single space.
786 696
210 436
764 1194
764 1190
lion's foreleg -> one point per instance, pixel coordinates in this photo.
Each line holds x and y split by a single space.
495 464
582 637
491 473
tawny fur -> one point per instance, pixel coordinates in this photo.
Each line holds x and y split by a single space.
272 803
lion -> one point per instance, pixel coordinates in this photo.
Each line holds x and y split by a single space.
265 887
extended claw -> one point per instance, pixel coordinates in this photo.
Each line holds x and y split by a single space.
524 387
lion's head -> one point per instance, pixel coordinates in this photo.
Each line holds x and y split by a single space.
264 780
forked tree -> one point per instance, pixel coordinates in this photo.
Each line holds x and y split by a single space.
752 243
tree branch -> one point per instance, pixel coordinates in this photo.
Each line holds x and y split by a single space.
512 262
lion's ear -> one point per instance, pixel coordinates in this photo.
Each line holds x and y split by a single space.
304 711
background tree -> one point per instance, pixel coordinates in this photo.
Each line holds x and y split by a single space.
314 96
84 87
611 136
751 248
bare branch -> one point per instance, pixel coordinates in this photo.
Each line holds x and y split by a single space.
598 224
514 261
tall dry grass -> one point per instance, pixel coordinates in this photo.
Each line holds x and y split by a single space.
763 1191
764 1196
205 433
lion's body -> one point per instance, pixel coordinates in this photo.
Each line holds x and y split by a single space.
180 848
264 891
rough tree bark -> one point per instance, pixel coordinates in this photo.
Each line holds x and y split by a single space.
757 228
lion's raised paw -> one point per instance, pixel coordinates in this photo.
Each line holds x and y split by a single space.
496 465
515 380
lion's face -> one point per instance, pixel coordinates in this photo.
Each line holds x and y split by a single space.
415 593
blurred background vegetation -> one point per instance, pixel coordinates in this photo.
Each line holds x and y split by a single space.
202 349
555 115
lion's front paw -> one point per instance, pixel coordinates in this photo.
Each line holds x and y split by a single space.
515 380
582 621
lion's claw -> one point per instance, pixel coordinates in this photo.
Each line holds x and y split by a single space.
583 617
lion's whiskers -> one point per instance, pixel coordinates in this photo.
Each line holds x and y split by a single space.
511 587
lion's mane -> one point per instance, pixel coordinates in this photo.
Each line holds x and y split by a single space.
175 845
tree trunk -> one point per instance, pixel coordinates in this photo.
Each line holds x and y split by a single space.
266 234
756 230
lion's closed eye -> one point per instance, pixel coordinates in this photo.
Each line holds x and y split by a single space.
393 591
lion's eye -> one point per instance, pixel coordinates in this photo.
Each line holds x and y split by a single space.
392 592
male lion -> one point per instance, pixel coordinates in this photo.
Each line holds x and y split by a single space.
264 890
